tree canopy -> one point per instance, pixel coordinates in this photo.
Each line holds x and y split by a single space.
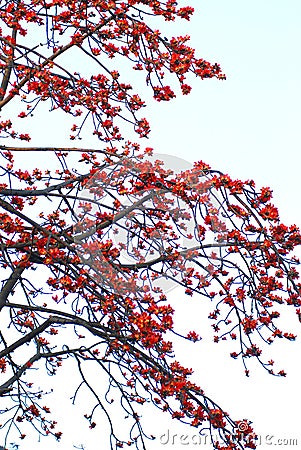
90 236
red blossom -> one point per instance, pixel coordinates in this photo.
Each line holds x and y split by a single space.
2 365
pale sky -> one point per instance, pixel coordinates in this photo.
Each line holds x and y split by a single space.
249 127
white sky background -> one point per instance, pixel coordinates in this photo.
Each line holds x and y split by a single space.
249 127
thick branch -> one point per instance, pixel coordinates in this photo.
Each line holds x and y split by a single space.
27 338
9 285
8 70
53 149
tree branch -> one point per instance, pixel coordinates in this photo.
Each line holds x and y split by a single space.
9 285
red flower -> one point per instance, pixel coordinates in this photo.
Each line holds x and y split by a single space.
2 365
